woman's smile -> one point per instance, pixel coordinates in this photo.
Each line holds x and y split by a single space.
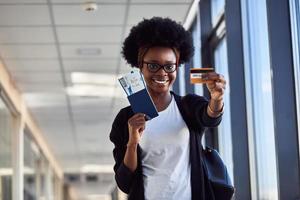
160 81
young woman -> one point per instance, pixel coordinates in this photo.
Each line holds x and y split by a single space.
160 159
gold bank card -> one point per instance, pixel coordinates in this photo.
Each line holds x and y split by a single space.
196 74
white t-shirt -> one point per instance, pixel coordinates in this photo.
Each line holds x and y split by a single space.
165 156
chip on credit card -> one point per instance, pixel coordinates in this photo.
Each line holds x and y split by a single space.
196 74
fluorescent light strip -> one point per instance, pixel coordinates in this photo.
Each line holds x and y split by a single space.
93 78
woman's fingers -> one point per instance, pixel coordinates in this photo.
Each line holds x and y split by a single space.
141 129
136 116
137 121
214 77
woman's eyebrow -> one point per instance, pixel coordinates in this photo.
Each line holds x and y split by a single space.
156 61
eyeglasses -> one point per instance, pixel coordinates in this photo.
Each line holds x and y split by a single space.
155 67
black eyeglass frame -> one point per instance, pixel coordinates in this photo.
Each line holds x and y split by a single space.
160 66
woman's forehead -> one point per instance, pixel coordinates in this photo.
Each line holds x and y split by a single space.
160 53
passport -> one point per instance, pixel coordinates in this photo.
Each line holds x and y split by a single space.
137 94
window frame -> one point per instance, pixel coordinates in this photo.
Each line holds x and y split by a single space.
286 132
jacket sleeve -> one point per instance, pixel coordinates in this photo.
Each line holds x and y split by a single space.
123 176
198 107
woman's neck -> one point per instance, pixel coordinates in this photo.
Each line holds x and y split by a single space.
161 100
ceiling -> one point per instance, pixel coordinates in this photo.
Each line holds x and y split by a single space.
57 53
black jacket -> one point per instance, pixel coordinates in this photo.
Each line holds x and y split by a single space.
193 109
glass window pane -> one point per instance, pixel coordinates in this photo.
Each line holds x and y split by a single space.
198 88
31 169
43 177
224 129
6 170
263 165
295 26
217 8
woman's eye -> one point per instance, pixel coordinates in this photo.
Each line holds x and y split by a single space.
169 67
153 66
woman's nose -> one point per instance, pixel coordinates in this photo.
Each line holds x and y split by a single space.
161 71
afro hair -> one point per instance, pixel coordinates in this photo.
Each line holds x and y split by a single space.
157 31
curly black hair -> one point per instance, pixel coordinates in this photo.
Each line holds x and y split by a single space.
157 31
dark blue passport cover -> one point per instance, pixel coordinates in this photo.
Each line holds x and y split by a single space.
141 102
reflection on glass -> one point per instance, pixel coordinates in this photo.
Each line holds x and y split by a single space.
259 100
224 129
295 26
217 8
6 171
31 166
38 177
43 177
198 88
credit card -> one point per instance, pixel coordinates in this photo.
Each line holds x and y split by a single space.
196 74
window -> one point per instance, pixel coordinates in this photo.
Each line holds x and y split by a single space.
295 26
224 129
31 168
6 168
263 167
43 177
198 88
217 9
181 79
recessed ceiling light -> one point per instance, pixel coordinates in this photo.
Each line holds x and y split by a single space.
90 6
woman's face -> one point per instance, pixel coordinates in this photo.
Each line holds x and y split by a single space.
160 81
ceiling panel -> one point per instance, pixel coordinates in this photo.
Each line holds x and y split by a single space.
92 157
88 118
66 152
23 1
24 15
96 65
47 121
160 1
61 131
86 106
43 82
70 163
91 139
66 142
48 111
86 103
127 30
138 12
89 34
24 35
33 87
28 51
97 1
38 76
32 65
74 15
106 51
44 99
